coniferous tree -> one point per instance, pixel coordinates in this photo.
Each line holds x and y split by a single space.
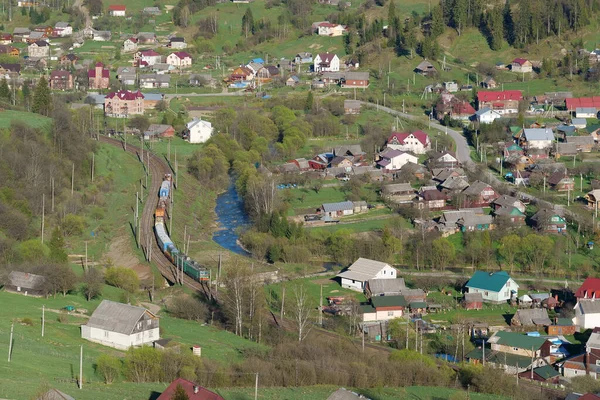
437 21
180 394
57 247
248 23
308 106
4 90
41 98
509 26
459 15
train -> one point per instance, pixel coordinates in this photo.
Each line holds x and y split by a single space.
190 267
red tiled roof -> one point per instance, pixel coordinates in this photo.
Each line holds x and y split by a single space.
182 54
327 24
589 396
463 108
505 95
201 394
133 40
576 102
326 57
59 74
117 7
589 288
149 53
125 95
419 135
105 71
519 61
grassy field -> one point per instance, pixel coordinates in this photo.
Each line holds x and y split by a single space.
354 227
54 358
34 120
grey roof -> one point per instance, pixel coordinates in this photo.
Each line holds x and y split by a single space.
566 148
408 293
425 66
62 25
351 104
539 296
358 76
343 394
579 121
195 121
593 340
538 134
146 35
21 31
474 220
350 149
476 188
116 317
340 206
55 394
586 110
589 306
473 297
333 75
155 77
508 201
455 183
398 187
533 316
580 140
484 110
126 70
452 217
95 98
386 287
363 269
25 280
441 174
152 96
157 128
36 35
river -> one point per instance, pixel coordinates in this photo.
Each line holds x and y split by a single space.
232 219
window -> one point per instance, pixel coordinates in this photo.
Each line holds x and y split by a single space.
515 348
148 322
150 334
390 313
384 271
486 294
105 334
139 336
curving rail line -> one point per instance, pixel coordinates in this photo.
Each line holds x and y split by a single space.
157 169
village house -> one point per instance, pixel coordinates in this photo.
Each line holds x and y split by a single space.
326 62
6 38
355 80
486 115
241 73
537 138
399 193
146 58
25 283
146 38
472 301
383 308
495 287
509 210
68 60
123 104
303 58
444 159
561 326
426 68
117 10
37 36
151 81
177 43
532 318
416 142
587 313
354 151
561 181
159 130
363 270
121 326
509 202
179 59
351 107
267 73
592 199
202 80
192 390
340 162
431 198
454 185
479 194
385 287
61 80
98 77
521 65
40 48
127 75
151 11
292 81
101 36
9 50
489 83
336 210
586 112
62 29
455 108
589 289
393 160
549 221
21 34
504 102
328 29
587 363
198 130
130 45
518 344
583 144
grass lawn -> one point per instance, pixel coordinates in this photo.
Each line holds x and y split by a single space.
34 120
55 357
306 198
355 227
492 314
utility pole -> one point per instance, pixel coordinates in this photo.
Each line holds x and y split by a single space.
407 324
256 387
72 178
321 311
52 194
176 170
43 214
282 302
86 256
81 367
10 343
92 167
43 318
483 353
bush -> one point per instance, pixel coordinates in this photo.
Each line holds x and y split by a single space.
27 321
73 225
186 307
108 367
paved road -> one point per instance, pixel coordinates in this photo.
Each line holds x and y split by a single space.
463 152
84 10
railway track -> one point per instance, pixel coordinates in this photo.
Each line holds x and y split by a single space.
157 169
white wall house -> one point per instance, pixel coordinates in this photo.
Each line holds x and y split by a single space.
393 160
326 62
179 59
538 138
495 287
199 130
587 313
487 115
329 29
416 142
63 29
363 269
130 45
121 326
147 58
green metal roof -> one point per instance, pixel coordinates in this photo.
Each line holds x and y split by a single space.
592 128
514 147
564 321
388 301
417 304
499 357
546 372
519 340
515 129
366 308
488 280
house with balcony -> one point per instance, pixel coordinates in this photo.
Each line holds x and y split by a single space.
61 80
123 104
362 270
503 102
179 59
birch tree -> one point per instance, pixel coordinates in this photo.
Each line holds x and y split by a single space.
301 308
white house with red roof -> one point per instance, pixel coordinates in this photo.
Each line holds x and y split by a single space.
326 62
393 160
521 65
130 45
504 102
328 29
179 59
123 103
192 390
117 10
587 309
146 58
416 142
98 77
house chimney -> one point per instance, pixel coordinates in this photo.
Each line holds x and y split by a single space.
196 388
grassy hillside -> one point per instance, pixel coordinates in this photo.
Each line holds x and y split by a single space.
34 120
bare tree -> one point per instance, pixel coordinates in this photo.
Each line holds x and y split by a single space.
262 195
301 309
236 281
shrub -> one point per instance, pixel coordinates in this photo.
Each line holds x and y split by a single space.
27 321
108 367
